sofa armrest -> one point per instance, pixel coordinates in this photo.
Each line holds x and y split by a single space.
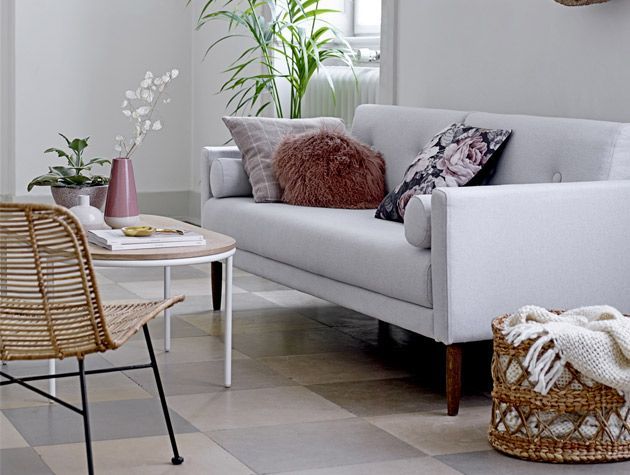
208 155
418 221
496 248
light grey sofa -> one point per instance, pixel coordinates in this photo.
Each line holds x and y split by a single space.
555 231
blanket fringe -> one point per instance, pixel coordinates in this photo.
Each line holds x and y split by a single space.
544 370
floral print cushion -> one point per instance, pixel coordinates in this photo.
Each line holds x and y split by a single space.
455 156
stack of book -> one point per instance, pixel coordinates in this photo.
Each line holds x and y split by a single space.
115 240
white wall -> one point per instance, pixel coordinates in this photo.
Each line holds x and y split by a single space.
74 59
208 107
6 99
514 56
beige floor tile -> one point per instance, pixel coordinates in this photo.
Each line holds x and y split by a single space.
183 350
101 387
380 397
13 397
10 438
103 280
437 434
292 298
154 290
311 445
252 321
116 293
334 367
206 268
413 466
231 409
146 455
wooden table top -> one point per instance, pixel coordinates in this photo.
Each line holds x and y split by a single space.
215 244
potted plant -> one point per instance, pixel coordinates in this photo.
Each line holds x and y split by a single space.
290 45
68 183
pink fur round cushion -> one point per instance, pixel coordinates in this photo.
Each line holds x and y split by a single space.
329 169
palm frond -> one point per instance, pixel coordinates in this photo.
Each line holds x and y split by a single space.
291 45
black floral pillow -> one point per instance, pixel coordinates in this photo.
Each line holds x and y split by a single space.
455 156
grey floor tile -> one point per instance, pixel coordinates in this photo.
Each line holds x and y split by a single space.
252 321
183 350
335 367
299 342
22 461
248 408
203 303
208 377
335 316
37 367
115 292
492 462
180 328
293 298
412 466
386 396
253 283
312 445
54 424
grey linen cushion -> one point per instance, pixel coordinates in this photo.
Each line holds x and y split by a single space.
228 178
257 139
418 221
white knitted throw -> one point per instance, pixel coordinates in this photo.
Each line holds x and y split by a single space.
595 340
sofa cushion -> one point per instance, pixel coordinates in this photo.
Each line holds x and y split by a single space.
345 245
228 178
257 139
329 169
455 156
418 221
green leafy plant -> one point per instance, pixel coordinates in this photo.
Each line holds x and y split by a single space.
291 46
74 174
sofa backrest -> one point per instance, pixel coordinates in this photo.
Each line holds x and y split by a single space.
399 133
540 150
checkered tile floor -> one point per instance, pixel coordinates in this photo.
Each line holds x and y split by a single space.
318 389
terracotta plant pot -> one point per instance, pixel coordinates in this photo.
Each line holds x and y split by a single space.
68 196
121 208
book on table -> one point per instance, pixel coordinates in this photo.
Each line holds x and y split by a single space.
115 240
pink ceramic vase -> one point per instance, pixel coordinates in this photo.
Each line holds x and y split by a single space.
121 207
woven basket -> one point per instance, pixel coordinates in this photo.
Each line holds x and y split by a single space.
578 420
579 3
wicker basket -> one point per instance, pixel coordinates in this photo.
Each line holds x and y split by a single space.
578 420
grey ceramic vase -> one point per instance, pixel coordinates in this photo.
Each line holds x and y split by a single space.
69 196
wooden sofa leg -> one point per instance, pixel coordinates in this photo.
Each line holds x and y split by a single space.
453 378
216 277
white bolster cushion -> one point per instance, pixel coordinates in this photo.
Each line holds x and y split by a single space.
418 221
228 178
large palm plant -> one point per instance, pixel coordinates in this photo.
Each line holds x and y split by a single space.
290 45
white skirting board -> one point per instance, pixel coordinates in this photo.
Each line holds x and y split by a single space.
182 205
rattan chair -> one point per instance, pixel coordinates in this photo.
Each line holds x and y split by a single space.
50 305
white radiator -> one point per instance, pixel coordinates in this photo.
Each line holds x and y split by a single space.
319 102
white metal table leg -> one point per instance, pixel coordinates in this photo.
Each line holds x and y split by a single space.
52 382
167 312
228 323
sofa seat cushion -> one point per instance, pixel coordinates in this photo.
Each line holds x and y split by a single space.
342 244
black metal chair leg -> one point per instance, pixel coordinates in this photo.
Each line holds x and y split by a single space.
86 417
177 459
